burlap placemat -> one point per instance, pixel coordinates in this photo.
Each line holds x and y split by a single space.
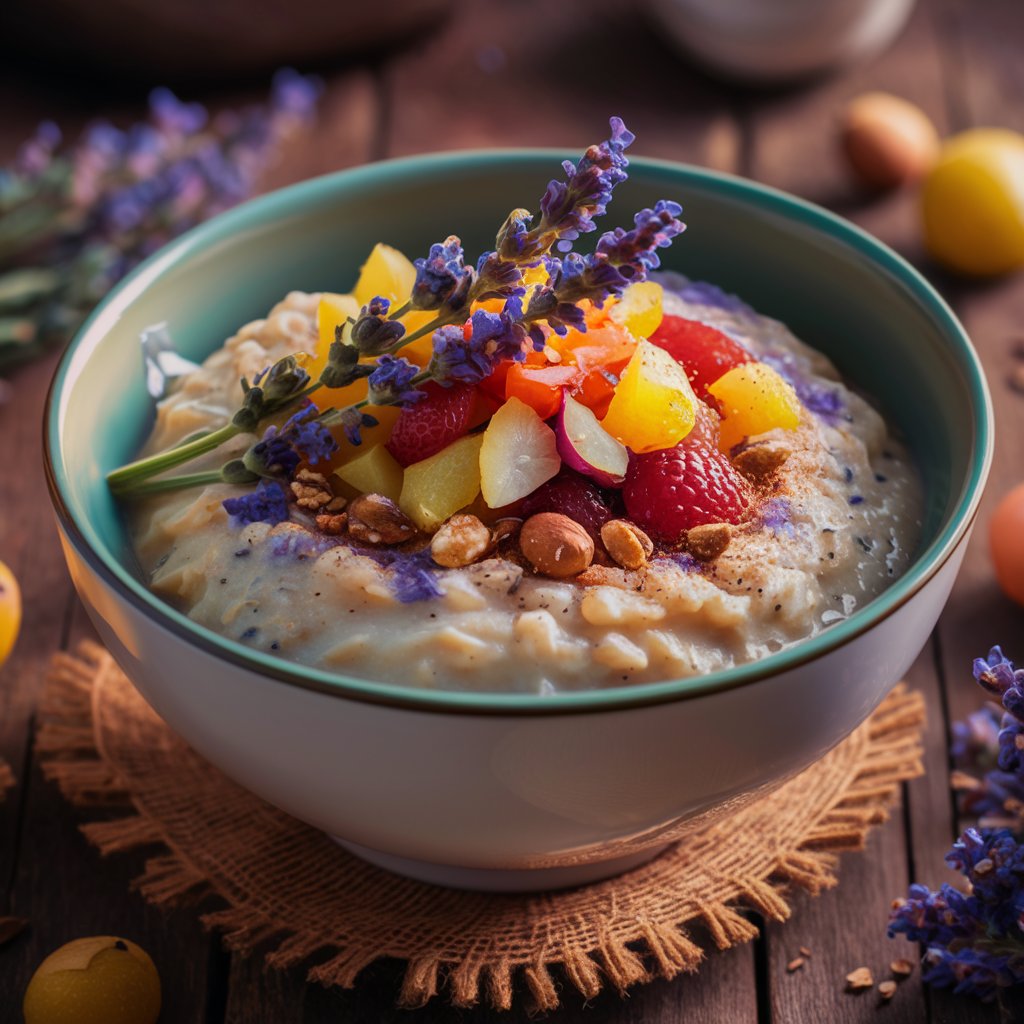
290 889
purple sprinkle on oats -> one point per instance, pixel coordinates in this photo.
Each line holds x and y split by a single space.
856 499
706 294
684 560
250 633
848 474
821 399
413 574
776 515
300 545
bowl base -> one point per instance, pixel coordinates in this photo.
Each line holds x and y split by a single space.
502 879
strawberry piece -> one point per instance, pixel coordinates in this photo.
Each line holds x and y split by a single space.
573 496
671 491
432 423
704 351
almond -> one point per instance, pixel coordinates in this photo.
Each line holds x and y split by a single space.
556 545
707 542
460 541
374 519
627 544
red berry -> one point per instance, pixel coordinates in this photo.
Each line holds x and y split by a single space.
673 490
705 352
432 423
572 496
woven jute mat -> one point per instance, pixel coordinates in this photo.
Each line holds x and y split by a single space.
291 891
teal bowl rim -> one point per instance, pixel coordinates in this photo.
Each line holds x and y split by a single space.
402 171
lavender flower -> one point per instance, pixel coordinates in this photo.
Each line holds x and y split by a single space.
373 333
352 421
568 208
280 451
442 279
391 382
634 253
90 212
267 504
777 516
975 940
468 356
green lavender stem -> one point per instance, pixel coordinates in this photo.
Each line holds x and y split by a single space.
127 477
143 488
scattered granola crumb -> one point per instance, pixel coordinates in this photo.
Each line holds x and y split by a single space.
901 968
795 964
859 979
887 989
805 951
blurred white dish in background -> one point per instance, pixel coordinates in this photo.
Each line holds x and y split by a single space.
780 40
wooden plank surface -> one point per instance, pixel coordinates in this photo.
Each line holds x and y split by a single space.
488 78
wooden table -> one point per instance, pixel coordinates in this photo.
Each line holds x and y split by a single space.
509 74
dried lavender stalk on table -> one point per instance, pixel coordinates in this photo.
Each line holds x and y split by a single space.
74 220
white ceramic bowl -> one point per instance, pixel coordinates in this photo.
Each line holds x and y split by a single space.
516 791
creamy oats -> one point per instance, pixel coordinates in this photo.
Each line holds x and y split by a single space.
834 519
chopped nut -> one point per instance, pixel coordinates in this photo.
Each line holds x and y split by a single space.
759 461
374 519
795 964
335 504
887 989
505 529
859 979
312 491
628 545
707 542
901 968
556 545
460 541
804 951
332 524
612 576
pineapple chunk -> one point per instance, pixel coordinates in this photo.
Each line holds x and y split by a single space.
374 471
389 274
519 453
435 488
639 310
654 405
754 399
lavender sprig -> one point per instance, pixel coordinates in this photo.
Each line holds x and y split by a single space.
974 940
467 345
74 220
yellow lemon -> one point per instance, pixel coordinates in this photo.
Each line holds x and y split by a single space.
10 611
973 203
97 980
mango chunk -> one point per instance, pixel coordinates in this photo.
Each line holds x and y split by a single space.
754 398
639 310
373 471
435 488
654 405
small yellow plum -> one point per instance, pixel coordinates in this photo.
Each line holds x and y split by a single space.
10 611
1006 541
973 203
96 980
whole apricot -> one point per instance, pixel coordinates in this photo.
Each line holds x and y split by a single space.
10 611
1006 541
96 980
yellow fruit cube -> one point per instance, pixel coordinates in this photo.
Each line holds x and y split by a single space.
373 471
639 310
389 274
654 405
754 399
435 488
333 312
